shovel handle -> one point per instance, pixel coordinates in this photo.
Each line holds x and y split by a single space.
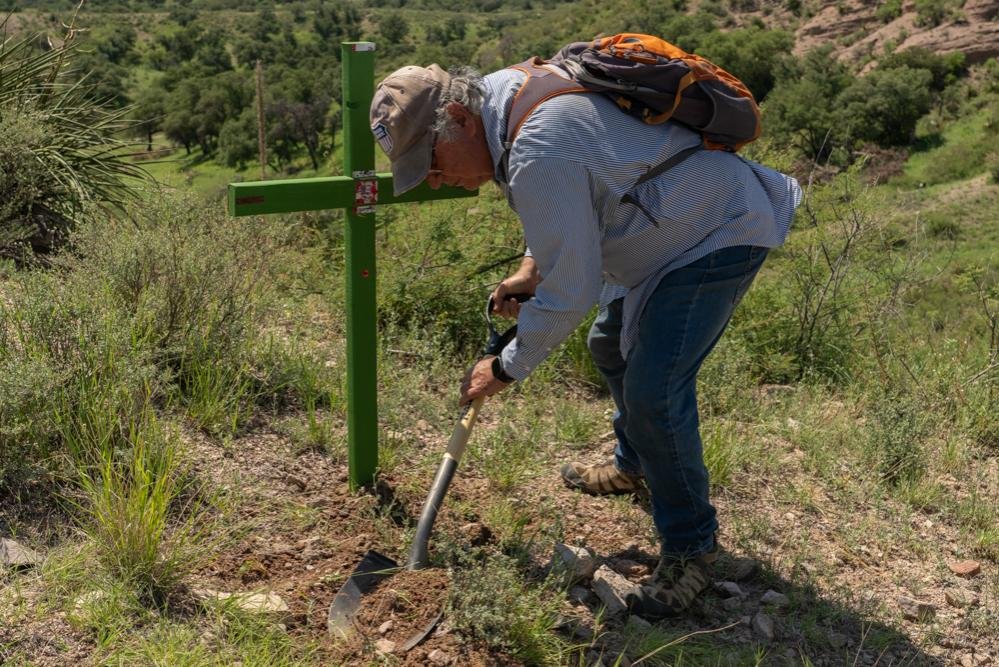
418 557
463 429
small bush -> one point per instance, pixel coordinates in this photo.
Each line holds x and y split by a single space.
889 10
490 601
931 13
896 426
130 508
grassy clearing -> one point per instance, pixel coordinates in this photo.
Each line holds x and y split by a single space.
174 385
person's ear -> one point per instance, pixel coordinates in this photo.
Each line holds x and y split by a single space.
463 117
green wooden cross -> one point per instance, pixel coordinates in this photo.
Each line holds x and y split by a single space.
357 193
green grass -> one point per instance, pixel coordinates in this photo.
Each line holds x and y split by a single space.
954 152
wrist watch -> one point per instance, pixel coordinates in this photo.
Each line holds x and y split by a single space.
499 373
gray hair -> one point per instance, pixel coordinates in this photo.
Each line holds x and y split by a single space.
468 90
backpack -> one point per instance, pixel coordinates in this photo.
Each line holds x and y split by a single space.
649 78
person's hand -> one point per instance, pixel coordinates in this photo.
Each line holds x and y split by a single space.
479 381
524 281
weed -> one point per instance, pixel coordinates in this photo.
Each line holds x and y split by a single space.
491 601
131 501
896 428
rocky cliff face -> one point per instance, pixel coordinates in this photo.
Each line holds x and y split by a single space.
858 32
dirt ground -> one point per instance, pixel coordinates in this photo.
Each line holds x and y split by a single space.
307 531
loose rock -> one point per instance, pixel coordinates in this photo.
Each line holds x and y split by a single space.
577 563
729 589
966 568
267 604
639 622
386 627
628 568
16 555
916 610
745 569
439 657
476 533
85 602
958 598
774 598
612 589
578 594
763 625
385 646
732 604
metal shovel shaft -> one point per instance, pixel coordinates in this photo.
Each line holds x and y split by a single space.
418 558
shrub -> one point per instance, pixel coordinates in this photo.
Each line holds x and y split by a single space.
889 10
945 69
896 427
72 370
58 148
130 512
490 601
934 12
884 106
200 281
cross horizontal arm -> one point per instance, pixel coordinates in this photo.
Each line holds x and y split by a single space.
315 194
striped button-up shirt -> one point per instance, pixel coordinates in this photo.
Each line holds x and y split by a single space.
574 158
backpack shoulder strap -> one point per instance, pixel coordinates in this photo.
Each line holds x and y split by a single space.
660 168
542 84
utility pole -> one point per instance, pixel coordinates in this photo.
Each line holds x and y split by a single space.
261 144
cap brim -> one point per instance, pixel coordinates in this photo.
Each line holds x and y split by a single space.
411 168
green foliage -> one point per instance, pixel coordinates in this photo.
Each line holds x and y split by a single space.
992 164
490 601
393 28
71 372
944 69
59 153
752 54
131 498
889 10
884 106
801 108
896 426
931 13
238 142
823 288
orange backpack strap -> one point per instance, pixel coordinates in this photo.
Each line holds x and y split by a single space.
542 84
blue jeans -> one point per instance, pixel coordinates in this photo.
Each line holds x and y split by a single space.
655 389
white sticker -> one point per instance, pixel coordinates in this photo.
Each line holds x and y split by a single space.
382 135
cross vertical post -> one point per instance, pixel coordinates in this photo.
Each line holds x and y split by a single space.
357 192
362 339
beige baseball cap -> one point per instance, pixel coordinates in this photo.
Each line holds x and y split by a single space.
402 115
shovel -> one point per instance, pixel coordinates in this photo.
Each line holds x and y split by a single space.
374 567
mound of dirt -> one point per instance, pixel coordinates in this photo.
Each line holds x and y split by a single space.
403 605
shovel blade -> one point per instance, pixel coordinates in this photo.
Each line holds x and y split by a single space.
373 568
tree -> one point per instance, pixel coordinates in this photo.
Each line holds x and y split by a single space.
801 109
238 140
752 54
298 111
393 27
945 69
883 106
149 110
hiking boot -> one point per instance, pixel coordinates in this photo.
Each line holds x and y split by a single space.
600 479
673 586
